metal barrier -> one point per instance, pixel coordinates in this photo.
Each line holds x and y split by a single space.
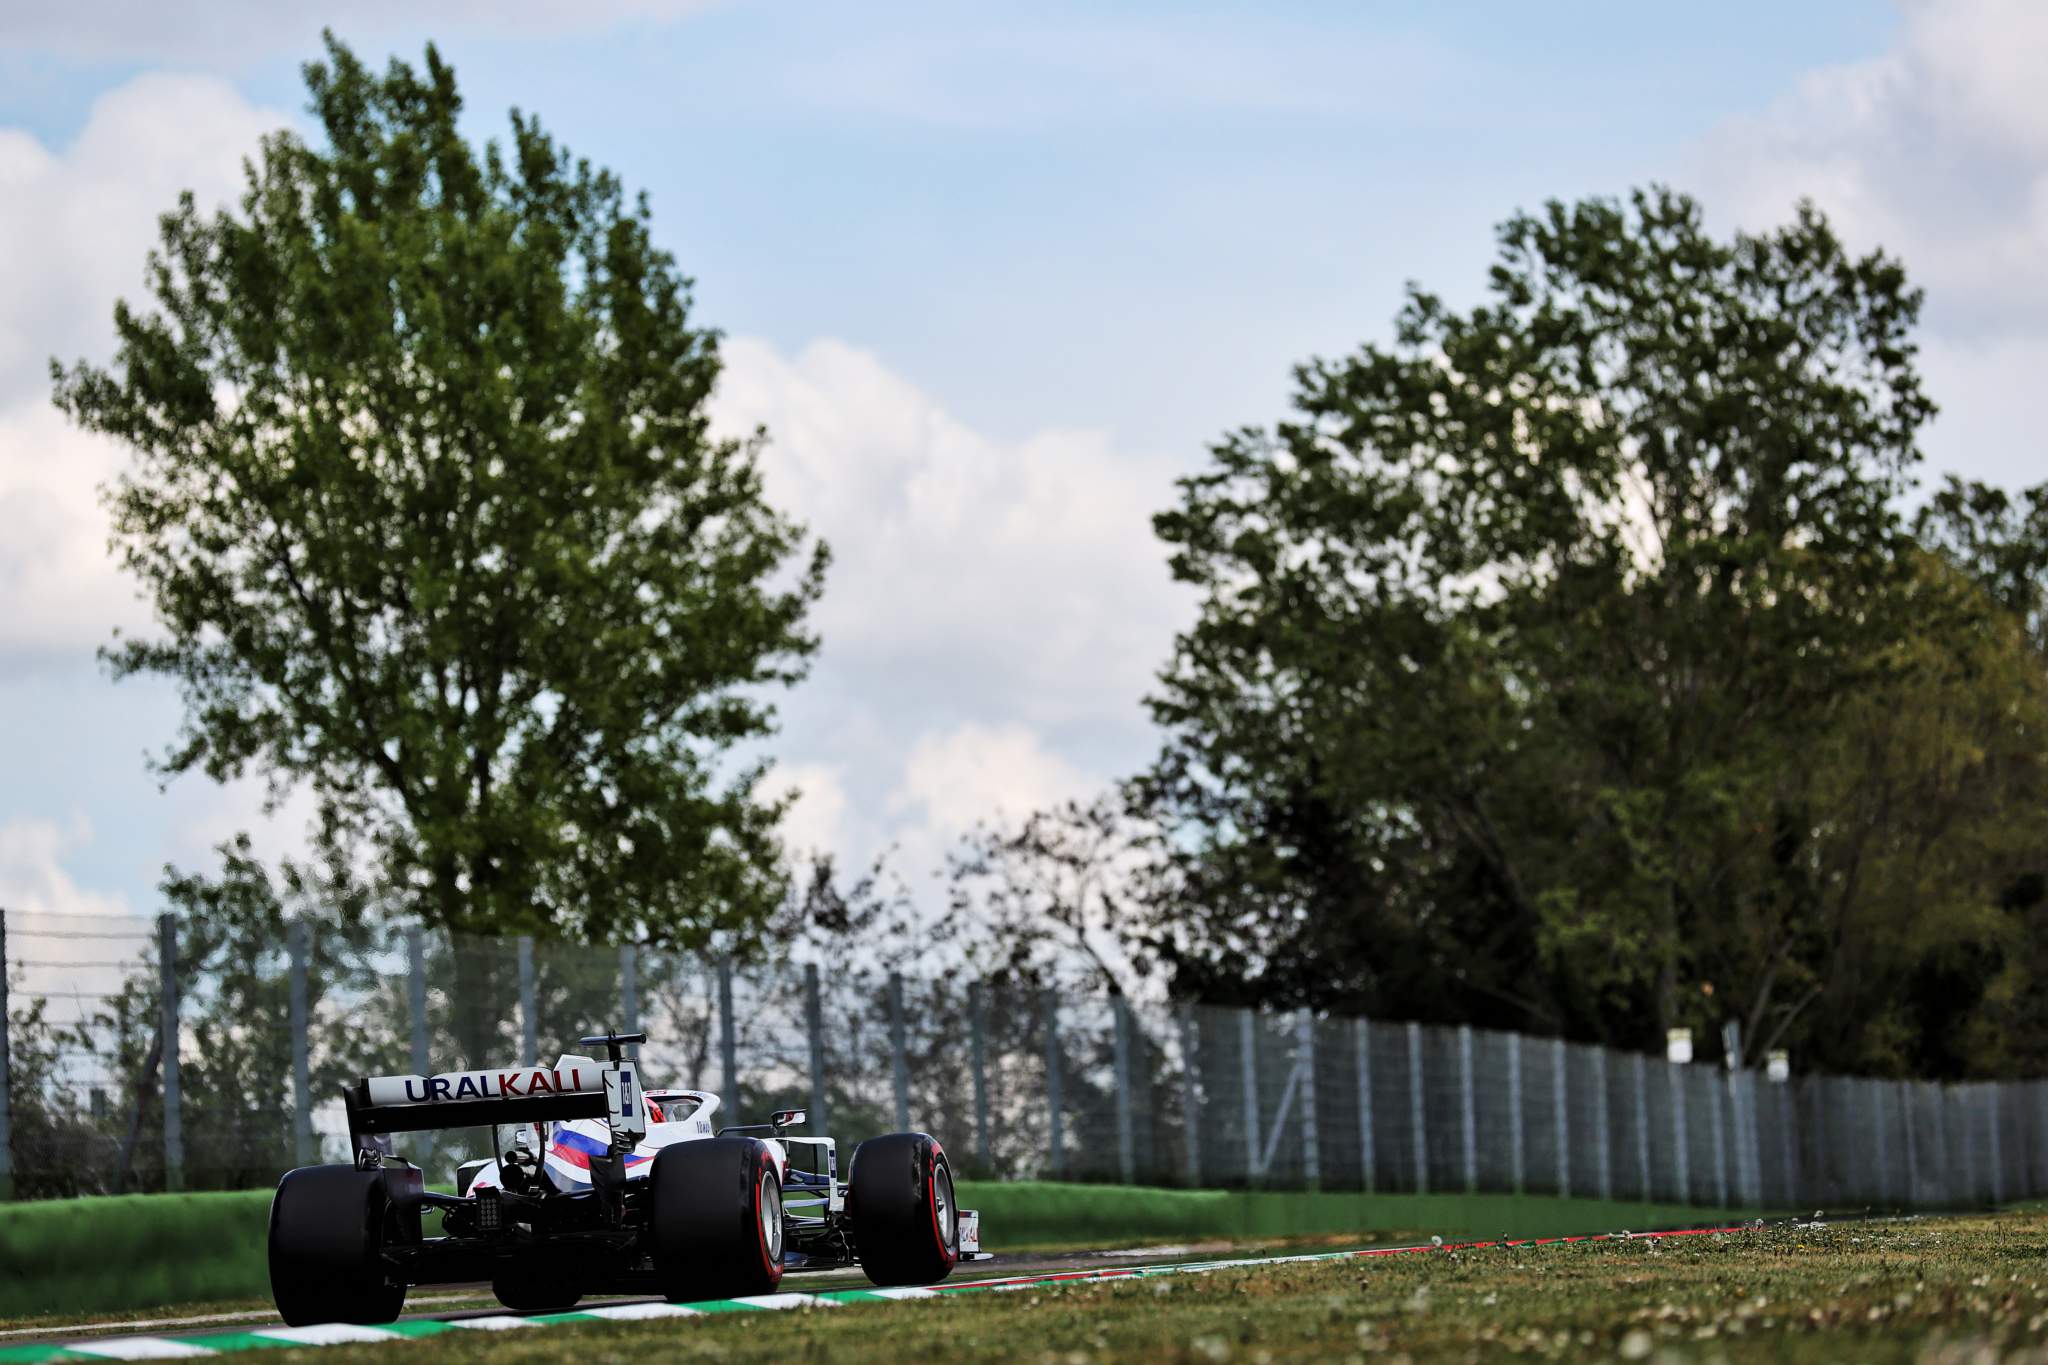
1019 1082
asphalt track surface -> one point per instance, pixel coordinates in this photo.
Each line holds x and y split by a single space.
118 1340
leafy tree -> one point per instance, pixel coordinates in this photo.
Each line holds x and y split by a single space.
1977 1005
1545 655
425 500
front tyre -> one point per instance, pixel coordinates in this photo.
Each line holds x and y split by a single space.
328 1229
906 1220
715 1219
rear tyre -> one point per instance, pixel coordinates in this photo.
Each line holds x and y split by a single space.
329 1226
906 1221
531 1287
716 1219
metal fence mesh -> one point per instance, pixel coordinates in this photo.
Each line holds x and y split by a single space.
1018 1083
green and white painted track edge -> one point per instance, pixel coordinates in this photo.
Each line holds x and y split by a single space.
336 1334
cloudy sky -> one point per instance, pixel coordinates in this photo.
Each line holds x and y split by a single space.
991 283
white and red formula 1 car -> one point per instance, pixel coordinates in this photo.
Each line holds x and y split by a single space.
605 1189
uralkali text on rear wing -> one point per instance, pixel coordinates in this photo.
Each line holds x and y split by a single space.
519 1082
510 1095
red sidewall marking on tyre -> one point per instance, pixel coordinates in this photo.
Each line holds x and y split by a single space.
768 1263
931 1187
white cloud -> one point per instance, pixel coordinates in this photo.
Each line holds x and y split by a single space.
59 590
1936 150
816 821
235 29
213 814
75 228
953 779
994 614
1989 388
76 225
985 772
64 941
33 878
1001 581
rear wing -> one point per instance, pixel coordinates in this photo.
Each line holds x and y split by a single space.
474 1099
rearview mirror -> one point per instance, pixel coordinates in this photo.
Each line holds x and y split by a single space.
787 1118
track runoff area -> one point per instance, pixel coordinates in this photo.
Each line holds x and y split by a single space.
222 1342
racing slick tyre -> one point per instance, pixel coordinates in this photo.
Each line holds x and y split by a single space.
899 1198
328 1229
534 1287
715 1219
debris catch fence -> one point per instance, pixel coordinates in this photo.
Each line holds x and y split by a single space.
137 1057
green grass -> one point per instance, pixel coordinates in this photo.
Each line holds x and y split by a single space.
1958 1289
1028 1215
131 1253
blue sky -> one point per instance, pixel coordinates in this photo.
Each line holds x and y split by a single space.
992 278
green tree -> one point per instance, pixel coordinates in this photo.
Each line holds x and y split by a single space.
1535 649
1978 1006
425 500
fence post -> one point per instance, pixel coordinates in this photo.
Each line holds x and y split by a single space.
629 994
1417 1117
1966 1120
1675 1072
1720 1119
1752 1141
1055 1065
529 1008
1905 1099
6 1125
1248 1068
1603 1129
1305 1058
1191 1090
1642 1106
297 939
1991 1089
1559 1095
814 1023
1468 1115
728 1041
1944 1148
1361 1044
899 1062
1516 1137
2040 1142
977 1022
416 955
167 1026
1788 1117
1126 1139
1881 1185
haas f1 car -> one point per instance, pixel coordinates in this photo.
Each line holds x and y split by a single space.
604 1189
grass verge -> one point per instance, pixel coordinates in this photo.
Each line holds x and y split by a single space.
1959 1289
133 1252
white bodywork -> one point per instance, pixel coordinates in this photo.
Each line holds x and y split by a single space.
657 1119
566 1148
654 1119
